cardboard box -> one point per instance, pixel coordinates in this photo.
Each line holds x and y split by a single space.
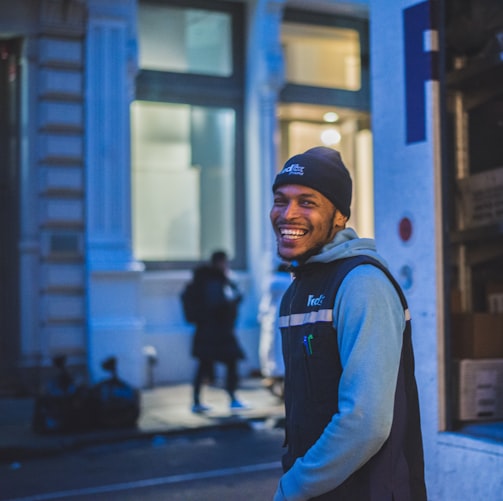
495 303
479 389
482 198
456 302
477 335
494 293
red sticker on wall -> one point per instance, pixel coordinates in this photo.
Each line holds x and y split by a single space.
405 229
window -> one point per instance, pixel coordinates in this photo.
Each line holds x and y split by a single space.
186 134
183 180
322 56
185 40
326 60
473 224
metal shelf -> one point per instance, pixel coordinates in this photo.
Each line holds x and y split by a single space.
483 233
479 81
478 73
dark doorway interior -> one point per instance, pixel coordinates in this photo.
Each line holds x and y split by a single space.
9 212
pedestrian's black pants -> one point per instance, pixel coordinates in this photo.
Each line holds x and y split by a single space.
205 371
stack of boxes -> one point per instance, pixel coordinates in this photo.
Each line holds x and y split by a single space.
477 348
477 338
482 198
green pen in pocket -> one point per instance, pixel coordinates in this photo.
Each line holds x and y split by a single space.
307 344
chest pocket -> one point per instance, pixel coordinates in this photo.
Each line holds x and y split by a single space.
321 362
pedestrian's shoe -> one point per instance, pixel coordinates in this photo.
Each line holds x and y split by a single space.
200 408
238 405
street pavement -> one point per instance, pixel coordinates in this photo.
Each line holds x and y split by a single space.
164 410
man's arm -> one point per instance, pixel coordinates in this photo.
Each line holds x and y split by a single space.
370 321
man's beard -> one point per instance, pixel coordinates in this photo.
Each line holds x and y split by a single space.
314 250
303 257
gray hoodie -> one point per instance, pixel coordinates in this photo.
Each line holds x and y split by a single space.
370 321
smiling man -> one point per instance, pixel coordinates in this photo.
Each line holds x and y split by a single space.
352 414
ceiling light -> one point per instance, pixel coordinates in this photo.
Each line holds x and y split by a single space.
330 117
330 137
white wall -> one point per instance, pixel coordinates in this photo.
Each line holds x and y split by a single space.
407 184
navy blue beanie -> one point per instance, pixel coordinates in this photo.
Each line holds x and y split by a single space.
321 169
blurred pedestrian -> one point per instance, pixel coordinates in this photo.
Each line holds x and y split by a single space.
217 302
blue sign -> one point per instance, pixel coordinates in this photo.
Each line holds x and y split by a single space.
421 65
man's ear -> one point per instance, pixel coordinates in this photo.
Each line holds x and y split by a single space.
340 219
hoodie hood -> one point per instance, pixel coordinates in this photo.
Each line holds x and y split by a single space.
347 243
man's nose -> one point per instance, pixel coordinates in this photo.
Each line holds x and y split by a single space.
291 210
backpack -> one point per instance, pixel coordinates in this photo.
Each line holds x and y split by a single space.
115 404
191 302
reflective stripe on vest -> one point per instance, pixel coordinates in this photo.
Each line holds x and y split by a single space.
312 317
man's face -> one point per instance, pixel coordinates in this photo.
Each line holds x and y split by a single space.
304 221
222 265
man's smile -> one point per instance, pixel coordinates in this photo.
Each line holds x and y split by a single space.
291 233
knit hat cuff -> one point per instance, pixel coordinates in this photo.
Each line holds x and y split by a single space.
322 170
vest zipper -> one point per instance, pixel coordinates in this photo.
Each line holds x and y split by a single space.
289 341
292 297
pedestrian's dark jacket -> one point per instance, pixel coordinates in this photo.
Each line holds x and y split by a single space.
215 337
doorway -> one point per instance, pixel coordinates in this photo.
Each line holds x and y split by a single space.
9 211
303 126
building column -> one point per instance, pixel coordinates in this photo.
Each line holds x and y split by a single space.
266 70
110 72
407 173
113 276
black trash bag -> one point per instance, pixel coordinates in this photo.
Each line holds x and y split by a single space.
114 403
63 405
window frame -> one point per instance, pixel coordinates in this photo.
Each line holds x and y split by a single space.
358 99
208 91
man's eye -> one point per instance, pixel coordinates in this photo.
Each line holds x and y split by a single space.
307 203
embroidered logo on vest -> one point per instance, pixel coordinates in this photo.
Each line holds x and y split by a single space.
312 300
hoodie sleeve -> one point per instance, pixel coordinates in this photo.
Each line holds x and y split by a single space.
369 319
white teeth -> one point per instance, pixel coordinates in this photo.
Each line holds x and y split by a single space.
289 233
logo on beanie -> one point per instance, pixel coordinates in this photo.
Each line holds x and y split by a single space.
295 169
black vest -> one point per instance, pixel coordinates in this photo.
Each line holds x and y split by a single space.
312 374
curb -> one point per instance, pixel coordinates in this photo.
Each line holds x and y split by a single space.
70 443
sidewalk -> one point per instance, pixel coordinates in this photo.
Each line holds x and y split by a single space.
164 410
